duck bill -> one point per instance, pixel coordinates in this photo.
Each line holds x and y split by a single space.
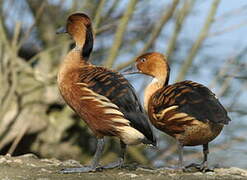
131 70
61 30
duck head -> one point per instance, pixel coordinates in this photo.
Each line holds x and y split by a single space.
79 27
152 64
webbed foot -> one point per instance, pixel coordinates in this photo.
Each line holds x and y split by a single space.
203 167
117 164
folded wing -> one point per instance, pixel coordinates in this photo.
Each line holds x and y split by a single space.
193 99
117 89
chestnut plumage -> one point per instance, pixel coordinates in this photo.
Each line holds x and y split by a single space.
103 98
187 111
118 90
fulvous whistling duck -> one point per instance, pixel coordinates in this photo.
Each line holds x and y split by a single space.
103 98
187 111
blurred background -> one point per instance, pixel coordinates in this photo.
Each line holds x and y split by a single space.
204 41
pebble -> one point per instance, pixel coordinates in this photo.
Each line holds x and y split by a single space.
71 162
131 175
29 155
128 174
31 164
52 161
2 160
198 173
19 161
45 170
210 173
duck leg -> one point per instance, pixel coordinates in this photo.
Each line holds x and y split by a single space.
204 165
95 161
119 163
180 156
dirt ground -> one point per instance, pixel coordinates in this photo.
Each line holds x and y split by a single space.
29 167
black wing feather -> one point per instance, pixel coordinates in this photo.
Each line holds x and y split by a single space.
194 99
116 88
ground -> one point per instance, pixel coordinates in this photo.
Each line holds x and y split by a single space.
29 167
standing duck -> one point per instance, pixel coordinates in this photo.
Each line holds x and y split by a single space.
103 98
187 111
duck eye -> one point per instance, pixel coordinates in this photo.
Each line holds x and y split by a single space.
143 59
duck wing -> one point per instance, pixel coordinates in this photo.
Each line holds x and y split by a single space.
118 90
188 100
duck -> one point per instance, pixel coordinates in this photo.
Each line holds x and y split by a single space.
103 98
186 110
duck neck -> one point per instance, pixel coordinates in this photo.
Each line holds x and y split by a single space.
87 46
71 62
157 83
74 58
77 57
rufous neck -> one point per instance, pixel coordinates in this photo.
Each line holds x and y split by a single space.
79 41
71 63
84 42
74 58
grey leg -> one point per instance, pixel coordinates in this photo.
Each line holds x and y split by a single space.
180 155
95 161
204 165
120 161
98 153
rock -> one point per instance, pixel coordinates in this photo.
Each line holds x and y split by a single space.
30 167
2 160
232 171
29 155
